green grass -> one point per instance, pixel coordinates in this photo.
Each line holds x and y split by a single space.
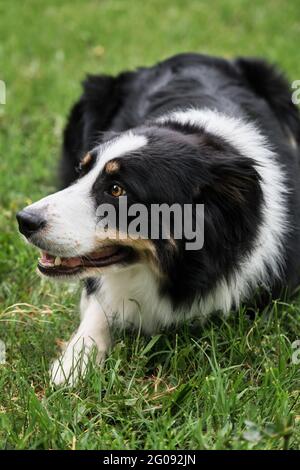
229 385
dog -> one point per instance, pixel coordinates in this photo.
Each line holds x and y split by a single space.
192 130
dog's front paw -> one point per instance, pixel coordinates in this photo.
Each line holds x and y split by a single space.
72 364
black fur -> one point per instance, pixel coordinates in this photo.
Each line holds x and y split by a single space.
246 86
187 167
271 85
180 169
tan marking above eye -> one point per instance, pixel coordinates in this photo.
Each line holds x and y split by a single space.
117 190
86 160
112 166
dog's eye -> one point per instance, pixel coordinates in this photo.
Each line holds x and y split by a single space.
116 190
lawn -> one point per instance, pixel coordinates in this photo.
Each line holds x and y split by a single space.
228 385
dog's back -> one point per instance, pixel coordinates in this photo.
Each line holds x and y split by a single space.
243 87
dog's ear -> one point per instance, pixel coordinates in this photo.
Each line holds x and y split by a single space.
233 182
232 198
73 145
89 118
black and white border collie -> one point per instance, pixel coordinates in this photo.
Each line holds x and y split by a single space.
192 129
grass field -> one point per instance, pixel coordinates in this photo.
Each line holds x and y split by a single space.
231 385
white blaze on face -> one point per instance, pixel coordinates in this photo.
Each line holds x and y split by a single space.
71 213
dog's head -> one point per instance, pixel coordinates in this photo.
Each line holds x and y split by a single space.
149 166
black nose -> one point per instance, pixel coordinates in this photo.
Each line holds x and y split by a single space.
30 222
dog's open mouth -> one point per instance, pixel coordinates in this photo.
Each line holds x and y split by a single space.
58 266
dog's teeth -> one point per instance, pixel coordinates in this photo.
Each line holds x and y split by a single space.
57 261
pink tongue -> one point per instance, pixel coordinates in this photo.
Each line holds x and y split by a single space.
46 258
71 262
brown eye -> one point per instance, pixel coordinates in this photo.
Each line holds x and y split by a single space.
117 190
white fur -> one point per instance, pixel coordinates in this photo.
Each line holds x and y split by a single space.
149 309
131 297
125 144
71 214
266 255
93 334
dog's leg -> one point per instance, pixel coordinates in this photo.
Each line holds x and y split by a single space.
93 334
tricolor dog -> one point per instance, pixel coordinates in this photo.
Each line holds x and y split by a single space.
190 131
